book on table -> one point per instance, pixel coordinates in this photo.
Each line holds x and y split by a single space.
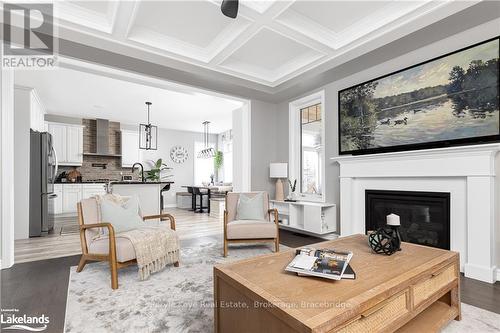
326 263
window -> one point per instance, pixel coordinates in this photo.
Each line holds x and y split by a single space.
226 146
203 167
311 149
307 146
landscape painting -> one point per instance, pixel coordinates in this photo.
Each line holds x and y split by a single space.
451 99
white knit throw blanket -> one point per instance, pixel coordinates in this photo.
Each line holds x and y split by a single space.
155 245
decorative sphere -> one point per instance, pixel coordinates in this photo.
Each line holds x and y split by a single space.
384 240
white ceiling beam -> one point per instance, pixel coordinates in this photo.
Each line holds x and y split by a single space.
259 21
124 18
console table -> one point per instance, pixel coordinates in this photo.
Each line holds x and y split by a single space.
307 217
414 290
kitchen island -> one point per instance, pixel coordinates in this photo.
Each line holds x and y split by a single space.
150 194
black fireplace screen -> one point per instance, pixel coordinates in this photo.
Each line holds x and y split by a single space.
425 216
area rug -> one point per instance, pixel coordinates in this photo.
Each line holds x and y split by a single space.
179 299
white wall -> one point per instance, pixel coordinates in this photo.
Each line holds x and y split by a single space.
7 168
183 173
22 103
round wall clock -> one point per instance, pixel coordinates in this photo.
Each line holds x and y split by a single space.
178 154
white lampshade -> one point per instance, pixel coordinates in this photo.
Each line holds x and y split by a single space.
278 170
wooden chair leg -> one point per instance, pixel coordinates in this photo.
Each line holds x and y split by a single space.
81 264
114 274
225 248
276 245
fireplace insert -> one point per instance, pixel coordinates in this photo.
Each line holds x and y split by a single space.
425 216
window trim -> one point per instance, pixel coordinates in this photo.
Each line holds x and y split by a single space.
294 149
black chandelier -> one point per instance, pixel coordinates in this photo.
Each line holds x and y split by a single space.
148 134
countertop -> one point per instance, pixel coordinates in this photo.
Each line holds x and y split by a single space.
134 182
140 183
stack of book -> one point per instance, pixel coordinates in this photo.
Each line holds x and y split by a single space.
325 263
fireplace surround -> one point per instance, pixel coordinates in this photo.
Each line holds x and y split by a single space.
471 174
425 216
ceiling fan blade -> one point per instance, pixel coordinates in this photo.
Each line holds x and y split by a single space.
229 8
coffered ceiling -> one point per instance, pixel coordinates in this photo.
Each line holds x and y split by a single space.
269 43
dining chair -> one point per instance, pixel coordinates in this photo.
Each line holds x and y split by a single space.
199 193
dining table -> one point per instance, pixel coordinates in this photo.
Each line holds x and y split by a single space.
199 190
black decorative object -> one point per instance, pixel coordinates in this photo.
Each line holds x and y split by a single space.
148 134
229 8
385 240
449 100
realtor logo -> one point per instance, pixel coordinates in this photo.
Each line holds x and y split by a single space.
28 35
10 319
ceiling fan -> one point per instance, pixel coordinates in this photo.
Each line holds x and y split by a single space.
229 8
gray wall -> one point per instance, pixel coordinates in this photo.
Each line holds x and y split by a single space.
264 145
452 43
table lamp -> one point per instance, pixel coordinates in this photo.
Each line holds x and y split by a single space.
278 171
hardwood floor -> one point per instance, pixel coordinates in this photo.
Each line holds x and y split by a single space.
40 286
66 243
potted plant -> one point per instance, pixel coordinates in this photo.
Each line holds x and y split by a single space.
154 174
292 196
218 160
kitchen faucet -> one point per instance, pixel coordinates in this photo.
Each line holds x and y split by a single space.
142 170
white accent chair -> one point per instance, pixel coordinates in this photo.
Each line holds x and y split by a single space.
249 231
118 251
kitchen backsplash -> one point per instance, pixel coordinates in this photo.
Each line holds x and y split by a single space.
113 169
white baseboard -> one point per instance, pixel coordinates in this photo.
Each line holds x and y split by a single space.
482 273
498 274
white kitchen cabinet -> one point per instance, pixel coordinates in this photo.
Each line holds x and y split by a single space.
37 112
90 190
58 201
58 132
28 103
67 142
72 194
68 195
130 148
74 144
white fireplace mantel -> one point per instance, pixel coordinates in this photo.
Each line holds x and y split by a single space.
467 173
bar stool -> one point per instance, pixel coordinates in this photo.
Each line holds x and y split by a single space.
198 192
193 198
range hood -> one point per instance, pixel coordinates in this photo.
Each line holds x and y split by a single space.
102 139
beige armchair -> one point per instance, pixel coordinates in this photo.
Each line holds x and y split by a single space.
249 231
118 251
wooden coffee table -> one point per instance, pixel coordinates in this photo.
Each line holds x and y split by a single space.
414 290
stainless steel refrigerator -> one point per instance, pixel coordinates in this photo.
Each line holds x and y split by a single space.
43 172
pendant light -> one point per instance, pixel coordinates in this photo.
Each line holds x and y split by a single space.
207 152
148 134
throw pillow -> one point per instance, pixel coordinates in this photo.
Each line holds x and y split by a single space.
251 207
123 217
